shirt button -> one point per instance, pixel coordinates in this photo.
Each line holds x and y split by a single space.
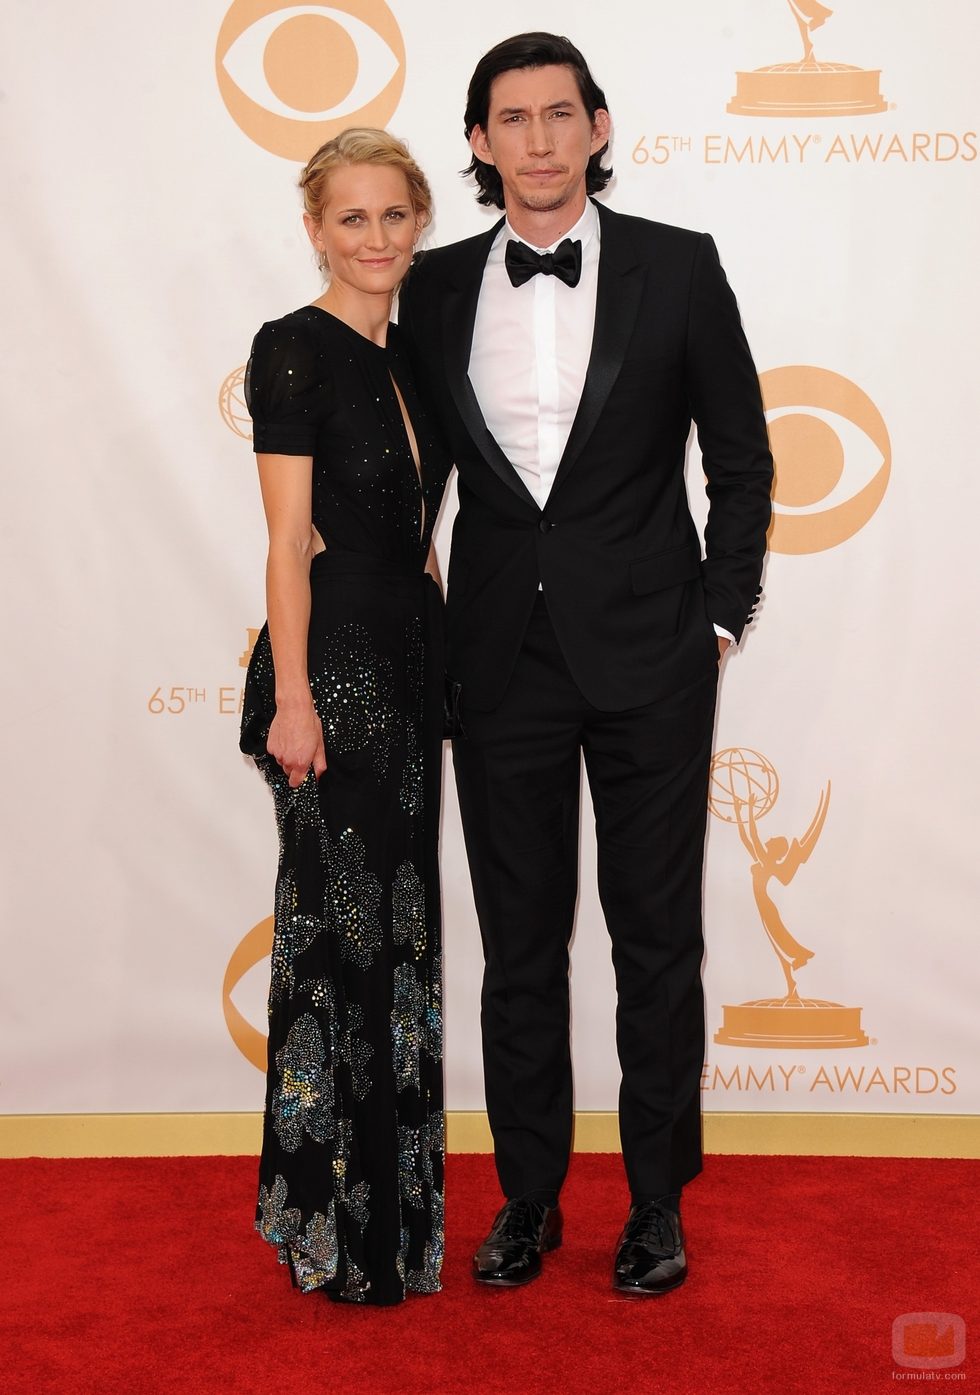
546 525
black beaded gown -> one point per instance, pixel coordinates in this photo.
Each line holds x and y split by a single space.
351 1173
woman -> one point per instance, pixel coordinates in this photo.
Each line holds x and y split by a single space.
343 715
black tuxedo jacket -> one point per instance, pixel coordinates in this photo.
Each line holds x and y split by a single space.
615 548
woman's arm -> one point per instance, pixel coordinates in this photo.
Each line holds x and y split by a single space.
295 736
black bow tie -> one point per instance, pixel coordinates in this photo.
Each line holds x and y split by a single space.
565 262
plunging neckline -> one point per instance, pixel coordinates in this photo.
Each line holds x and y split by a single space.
413 447
408 427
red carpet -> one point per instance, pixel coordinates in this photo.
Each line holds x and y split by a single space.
144 1275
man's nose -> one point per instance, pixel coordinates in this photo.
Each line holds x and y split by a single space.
538 136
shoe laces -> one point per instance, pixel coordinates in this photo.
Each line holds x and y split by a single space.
518 1218
650 1225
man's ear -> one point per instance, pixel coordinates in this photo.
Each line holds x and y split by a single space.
480 146
601 129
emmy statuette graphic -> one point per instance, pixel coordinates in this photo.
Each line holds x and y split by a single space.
253 639
744 788
808 87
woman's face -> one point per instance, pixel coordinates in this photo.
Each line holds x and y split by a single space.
368 228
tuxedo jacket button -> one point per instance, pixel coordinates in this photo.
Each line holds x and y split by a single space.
546 525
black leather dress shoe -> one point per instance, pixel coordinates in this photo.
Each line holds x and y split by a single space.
521 1233
650 1257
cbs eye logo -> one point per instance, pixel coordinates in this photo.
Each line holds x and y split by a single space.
292 76
832 454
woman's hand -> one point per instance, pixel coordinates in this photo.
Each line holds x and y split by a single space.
296 742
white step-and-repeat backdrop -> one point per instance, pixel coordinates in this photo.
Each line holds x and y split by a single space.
152 223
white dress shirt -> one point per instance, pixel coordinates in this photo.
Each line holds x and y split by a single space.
530 354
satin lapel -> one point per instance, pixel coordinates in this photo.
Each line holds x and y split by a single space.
618 296
459 304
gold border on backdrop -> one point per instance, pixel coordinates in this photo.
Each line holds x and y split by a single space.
175 1135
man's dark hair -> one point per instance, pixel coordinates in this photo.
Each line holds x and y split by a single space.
529 51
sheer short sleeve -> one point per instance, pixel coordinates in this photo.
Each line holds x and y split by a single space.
285 387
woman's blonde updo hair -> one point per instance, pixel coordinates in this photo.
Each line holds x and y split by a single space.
362 145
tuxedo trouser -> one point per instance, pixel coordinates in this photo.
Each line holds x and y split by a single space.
518 777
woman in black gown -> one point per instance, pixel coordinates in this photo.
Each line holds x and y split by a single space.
343 715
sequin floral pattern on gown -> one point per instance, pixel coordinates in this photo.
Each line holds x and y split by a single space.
351 1173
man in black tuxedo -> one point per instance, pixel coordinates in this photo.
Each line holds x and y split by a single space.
568 349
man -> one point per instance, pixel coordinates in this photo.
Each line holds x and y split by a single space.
569 348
